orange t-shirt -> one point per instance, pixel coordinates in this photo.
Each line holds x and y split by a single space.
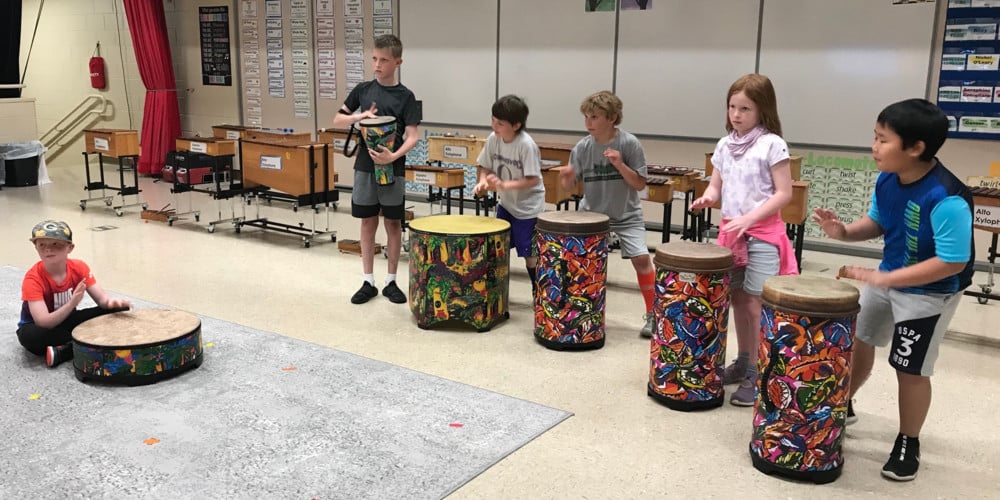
39 285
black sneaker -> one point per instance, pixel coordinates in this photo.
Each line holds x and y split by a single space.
904 459
851 417
55 354
394 294
364 294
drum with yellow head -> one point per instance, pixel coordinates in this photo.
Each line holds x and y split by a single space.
459 267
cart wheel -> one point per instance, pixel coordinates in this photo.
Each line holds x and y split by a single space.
107 201
197 217
83 206
987 289
336 205
119 212
295 207
145 205
406 246
982 300
306 243
170 222
237 229
211 229
333 237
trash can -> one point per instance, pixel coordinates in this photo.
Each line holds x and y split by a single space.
20 163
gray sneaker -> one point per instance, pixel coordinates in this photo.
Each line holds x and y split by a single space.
734 373
649 327
746 394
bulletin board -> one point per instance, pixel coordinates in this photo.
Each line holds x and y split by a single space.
969 85
299 58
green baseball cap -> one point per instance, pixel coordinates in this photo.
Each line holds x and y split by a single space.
53 230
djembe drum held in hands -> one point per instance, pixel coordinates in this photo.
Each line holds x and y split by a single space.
380 132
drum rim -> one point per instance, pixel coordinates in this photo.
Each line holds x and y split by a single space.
714 270
378 120
813 314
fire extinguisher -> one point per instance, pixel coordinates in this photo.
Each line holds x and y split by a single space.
96 65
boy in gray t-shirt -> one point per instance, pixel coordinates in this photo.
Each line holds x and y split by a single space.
511 165
612 166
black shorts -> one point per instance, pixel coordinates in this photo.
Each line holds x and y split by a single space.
369 199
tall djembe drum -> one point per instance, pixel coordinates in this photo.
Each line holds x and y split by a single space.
691 314
803 386
572 272
459 270
377 133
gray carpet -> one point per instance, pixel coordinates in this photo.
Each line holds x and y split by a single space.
338 426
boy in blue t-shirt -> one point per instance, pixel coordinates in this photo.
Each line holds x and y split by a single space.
925 213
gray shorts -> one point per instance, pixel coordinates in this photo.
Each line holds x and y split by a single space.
369 199
914 323
632 240
762 263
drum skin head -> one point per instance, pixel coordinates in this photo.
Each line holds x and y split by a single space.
693 257
577 222
459 224
811 295
135 328
377 121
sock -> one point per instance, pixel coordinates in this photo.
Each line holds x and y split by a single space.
646 282
533 275
370 278
389 278
743 358
751 373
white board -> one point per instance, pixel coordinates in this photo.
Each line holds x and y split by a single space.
677 60
836 65
450 58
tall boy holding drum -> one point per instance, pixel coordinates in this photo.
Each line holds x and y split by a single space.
383 96
511 165
925 213
612 166
51 291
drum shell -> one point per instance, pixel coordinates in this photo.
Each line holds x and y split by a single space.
572 272
803 387
459 274
691 315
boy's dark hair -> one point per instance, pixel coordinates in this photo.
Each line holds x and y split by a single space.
391 42
511 109
917 120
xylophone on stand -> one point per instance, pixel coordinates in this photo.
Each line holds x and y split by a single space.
987 201
683 180
661 190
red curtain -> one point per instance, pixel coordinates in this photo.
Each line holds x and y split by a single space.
161 122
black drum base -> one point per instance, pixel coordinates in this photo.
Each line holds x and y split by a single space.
817 477
137 380
567 346
674 404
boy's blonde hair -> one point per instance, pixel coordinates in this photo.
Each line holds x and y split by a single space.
605 102
758 88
